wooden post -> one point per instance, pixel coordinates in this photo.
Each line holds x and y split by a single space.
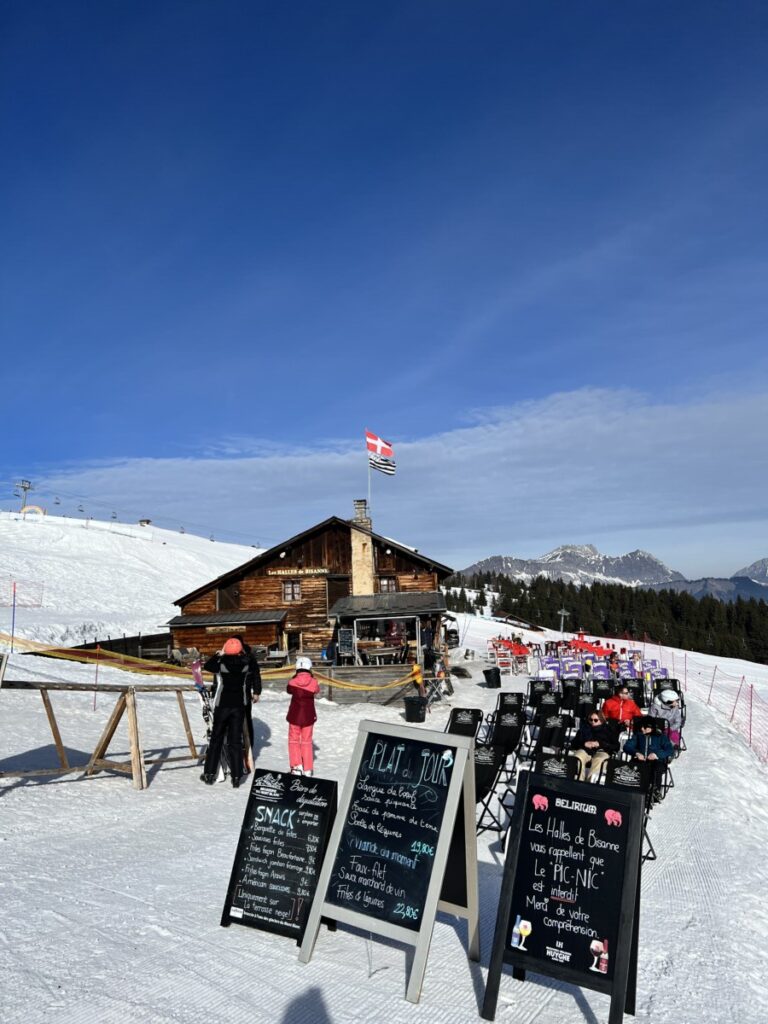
185 720
137 758
54 730
109 731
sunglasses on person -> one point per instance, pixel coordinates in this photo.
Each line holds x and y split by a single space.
595 719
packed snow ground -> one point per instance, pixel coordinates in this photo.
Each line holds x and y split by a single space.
111 898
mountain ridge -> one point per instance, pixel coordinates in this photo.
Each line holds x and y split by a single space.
581 564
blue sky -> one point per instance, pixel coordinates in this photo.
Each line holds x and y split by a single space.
525 242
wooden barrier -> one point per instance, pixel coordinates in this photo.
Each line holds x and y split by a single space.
125 704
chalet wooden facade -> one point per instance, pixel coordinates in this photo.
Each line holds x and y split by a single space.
282 599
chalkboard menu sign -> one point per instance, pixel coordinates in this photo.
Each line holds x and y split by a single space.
282 841
569 901
346 642
384 860
387 856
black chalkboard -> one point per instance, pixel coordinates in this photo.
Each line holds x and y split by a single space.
384 859
346 642
569 902
282 841
394 856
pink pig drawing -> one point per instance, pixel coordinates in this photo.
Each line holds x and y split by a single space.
613 818
540 803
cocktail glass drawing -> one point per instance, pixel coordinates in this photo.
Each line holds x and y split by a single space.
595 948
525 931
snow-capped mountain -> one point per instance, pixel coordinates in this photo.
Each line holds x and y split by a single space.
758 572
718 587
581 564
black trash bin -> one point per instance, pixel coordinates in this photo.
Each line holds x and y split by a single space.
492 677
415 709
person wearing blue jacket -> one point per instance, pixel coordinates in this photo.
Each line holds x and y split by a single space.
654 748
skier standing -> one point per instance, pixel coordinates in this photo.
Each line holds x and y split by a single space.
301 717
237 685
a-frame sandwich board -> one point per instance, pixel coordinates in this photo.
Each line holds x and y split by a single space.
388 854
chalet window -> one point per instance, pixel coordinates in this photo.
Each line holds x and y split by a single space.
228 598
388 585
291 590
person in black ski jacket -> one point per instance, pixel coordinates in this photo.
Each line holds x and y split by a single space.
594 743
651 746
238 683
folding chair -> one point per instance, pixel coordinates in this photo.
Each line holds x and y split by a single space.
504 733
570 694
536 690
548 705
510 701
633 775
551 735
489 762
464 722
601 689
584 708
563 766
637 692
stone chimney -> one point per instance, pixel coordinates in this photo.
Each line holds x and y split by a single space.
362 549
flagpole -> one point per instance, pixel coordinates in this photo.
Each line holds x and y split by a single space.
370 514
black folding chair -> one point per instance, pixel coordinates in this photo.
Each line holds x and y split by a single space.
547 706
601 689
489 762
536 690
585 708
464 722
633 775
551 735
504 733
637 692
563 766
570 695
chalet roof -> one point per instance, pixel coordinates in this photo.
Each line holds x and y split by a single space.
267 556
382 606
230 618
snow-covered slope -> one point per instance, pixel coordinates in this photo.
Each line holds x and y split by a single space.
111 898
95 579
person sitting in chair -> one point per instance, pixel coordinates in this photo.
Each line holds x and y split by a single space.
621 707
653 747
595 741
666 705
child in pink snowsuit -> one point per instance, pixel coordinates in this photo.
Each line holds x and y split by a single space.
301 717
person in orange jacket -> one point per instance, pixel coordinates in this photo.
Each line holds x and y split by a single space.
620 707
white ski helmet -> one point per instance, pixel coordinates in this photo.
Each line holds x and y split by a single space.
669 696
303 664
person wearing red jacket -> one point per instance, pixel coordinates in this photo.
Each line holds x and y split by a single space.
301 717
620 707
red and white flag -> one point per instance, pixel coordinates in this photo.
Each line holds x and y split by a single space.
378 445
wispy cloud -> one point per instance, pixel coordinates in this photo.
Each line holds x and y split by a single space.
612 467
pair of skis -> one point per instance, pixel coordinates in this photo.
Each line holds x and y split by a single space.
207 708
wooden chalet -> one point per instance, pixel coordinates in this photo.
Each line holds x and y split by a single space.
309 593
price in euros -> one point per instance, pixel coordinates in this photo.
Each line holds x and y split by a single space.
417 846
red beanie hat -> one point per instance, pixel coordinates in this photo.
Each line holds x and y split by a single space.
233 646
